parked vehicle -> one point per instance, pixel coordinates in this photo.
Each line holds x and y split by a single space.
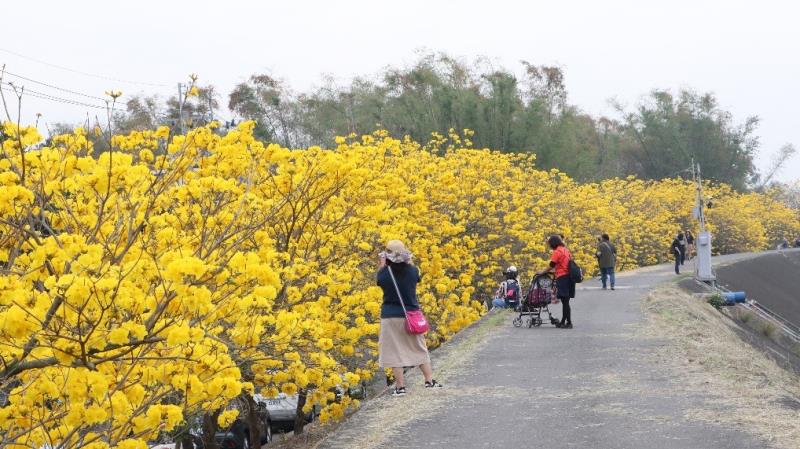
282 409
237 436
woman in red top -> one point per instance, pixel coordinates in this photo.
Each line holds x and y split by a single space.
565 288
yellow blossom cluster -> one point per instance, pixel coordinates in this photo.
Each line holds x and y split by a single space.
173 274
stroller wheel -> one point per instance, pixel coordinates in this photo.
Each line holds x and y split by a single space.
517 322
537 322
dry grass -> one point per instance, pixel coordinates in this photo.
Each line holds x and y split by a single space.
746 388
768 329
744 316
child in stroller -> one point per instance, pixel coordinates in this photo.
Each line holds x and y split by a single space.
541 293
508 293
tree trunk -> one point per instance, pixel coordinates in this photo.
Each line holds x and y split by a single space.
300 417
209 429
253 420
186 441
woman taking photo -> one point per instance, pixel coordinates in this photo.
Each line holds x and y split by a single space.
397 347
565 288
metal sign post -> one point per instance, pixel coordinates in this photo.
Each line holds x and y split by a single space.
703 271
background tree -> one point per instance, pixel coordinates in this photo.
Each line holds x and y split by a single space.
527 112
141 112
273 107
673 130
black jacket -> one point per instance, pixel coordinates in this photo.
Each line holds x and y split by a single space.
677 247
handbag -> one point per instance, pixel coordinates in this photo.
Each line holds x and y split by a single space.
415 320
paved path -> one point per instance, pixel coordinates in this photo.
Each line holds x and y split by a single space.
594 386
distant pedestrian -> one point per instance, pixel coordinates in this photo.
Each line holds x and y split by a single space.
397 347
565 287
689 244
677 249
685 246
508 293
607 260
797 242
784 244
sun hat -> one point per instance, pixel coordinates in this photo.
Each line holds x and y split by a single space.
397 252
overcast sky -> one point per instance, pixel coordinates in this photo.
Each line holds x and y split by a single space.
746 52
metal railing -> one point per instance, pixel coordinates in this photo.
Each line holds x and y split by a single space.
790 329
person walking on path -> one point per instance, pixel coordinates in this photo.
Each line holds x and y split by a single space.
607 259
565 287
689 244
677 248
397 347
684 246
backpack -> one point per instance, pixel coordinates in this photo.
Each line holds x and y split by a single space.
575 271
512 292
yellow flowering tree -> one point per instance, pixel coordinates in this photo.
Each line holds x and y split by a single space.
116 271
154 284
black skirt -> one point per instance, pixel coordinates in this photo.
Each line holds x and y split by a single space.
565 288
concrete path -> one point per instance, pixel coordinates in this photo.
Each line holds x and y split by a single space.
594 386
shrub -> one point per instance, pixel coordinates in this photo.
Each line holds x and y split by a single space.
716 300
745 316
768 329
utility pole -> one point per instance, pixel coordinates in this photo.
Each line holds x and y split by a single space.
180 107
703 271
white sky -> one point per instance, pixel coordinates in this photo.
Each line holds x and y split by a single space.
746 52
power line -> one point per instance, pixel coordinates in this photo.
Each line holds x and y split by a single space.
69 102
53 87
23 90
79 72
43 96
28 90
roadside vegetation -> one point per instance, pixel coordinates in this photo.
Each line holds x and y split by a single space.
703 348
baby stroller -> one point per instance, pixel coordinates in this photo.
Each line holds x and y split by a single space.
537 301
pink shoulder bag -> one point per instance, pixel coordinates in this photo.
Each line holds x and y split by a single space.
415 319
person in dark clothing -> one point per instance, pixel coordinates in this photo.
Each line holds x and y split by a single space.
396 347
606 259
678 251
797 242
565 288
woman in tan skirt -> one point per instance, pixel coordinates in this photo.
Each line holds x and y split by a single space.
397 347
